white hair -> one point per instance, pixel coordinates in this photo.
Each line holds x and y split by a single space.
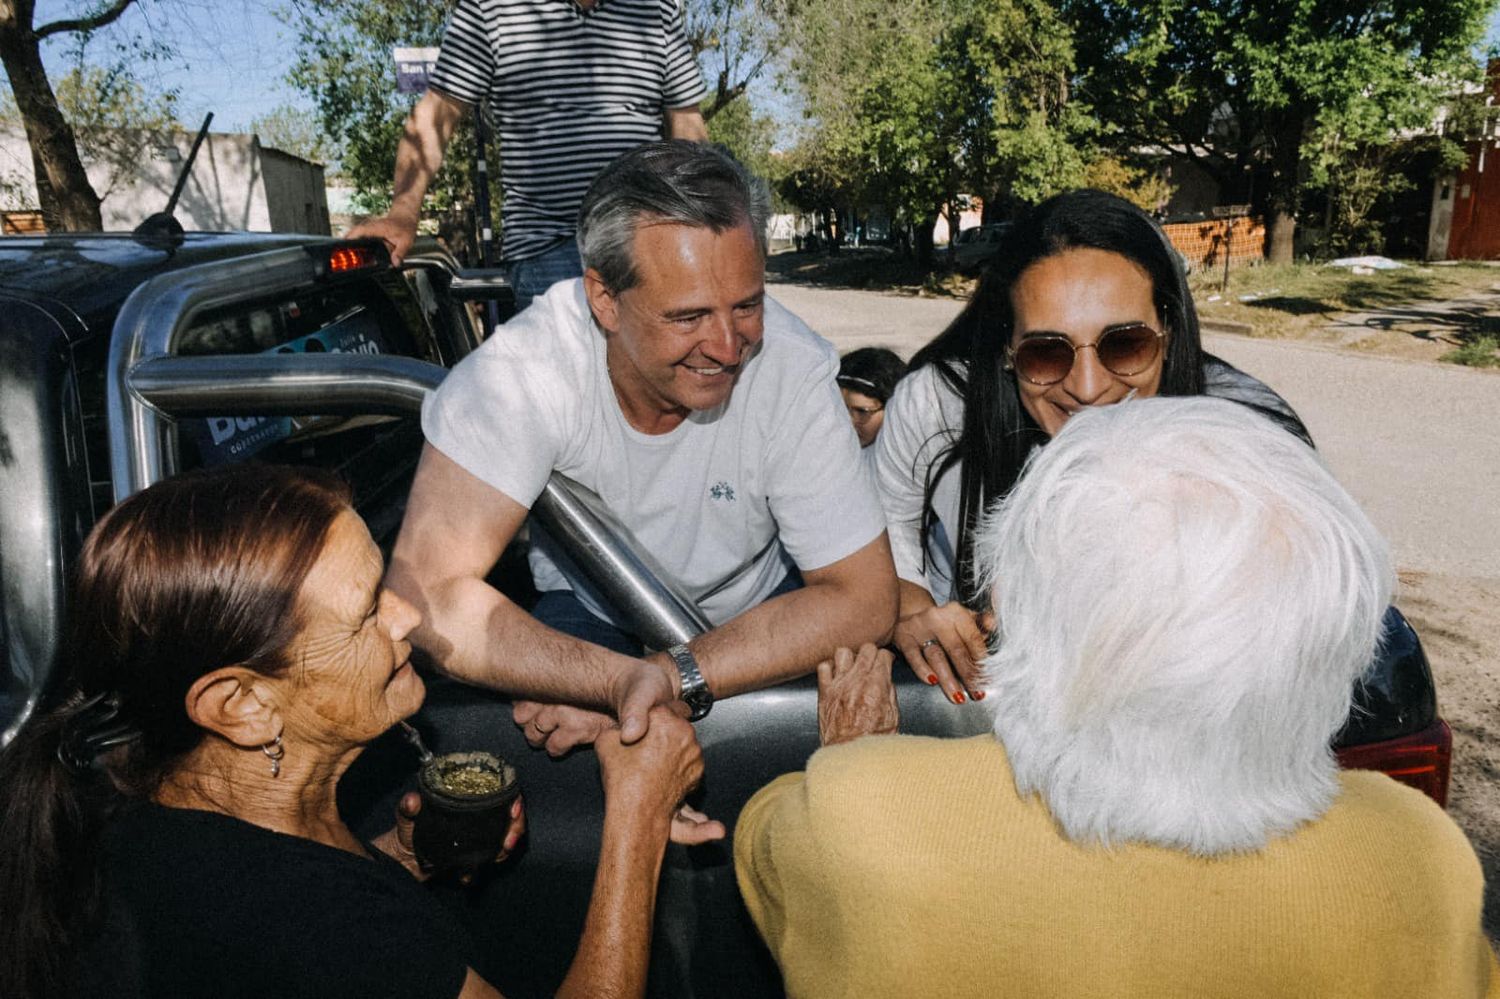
1185 600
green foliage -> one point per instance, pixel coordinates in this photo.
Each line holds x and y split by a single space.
1480 352
295 131
1235 85
345 65
748 136
916 103
1145 189
115 122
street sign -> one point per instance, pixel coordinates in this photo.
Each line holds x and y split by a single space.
413 67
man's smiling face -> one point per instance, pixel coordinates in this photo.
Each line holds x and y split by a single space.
678 338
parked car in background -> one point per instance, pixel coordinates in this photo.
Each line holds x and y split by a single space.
124 360
977 246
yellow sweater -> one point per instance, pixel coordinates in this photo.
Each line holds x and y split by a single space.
908 866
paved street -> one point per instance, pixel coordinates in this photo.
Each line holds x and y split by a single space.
1416 443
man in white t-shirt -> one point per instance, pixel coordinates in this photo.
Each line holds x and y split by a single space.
708 420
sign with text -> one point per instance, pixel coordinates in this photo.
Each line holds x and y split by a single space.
413 67
224 439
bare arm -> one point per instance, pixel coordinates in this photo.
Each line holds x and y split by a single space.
844 605
643 785
455 529
849 603
418 157
686 123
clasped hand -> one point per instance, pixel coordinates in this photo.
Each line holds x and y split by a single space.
665 763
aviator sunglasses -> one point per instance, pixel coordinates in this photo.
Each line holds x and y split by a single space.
1047 359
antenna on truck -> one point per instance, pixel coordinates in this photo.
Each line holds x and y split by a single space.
162 231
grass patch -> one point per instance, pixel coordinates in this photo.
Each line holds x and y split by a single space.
1481 352
1290 300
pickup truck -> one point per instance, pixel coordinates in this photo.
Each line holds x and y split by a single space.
124 360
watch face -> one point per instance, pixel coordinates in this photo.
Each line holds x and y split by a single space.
699 701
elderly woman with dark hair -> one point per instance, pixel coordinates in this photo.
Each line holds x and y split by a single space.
1185 599
172 830
1086 305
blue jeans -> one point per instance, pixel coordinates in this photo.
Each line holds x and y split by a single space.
532 276
561 610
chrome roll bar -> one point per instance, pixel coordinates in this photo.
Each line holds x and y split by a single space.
148 387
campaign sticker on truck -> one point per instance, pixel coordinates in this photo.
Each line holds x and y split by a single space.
226 439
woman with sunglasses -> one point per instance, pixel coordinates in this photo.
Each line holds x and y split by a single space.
1086 305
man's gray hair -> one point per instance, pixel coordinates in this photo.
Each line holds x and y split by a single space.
674 181
1185 599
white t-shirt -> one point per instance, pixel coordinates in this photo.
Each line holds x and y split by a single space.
724 503
923 418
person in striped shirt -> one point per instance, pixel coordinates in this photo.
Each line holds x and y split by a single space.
571 84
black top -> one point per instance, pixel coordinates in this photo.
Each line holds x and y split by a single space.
201 904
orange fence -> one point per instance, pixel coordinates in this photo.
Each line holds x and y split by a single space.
1202 243
22 224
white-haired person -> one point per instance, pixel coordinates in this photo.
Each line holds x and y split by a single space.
1185 600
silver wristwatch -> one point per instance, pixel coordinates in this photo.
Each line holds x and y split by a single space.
695 693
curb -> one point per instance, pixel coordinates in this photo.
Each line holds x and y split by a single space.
1225 326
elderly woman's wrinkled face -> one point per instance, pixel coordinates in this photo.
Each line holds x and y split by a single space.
1083 297
351 668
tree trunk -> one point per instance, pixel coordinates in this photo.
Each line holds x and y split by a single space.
66 197
1285 194
923 241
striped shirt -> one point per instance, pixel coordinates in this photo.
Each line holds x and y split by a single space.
570 90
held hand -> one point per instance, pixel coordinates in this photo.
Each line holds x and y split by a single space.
637 693
397 231
691 827
944 645
652 776
856 696
558 728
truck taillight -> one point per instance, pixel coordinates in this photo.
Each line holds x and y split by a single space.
351 258
1421 760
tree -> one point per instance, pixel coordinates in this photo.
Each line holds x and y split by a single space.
345 64
1240 85
732 41
747 135
68 201
115 123
1143 188
295 131
920 102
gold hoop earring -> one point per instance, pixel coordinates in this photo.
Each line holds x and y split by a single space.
274 752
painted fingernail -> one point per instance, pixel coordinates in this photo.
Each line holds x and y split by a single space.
958 698
978 695
931 679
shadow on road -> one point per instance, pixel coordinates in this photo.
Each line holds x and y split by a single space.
864 268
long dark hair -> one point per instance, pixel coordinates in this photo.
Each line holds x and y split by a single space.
969 355
191 575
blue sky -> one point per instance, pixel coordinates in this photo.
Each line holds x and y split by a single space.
233 55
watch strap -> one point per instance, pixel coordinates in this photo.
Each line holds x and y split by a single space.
695 693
